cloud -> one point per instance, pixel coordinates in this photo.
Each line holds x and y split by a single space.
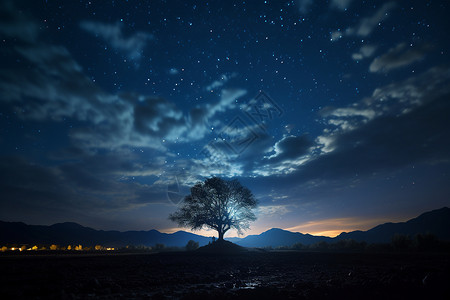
366 113
385 144
16 25
190 171
113 34
200 116
148 122
88 186
340 4
336 35
366 26
50 86
304 5
173 71
401 124
158 117
271 210
401 97
290 148
119 165
242 147
290 152
219 83
397 57
244 144
155 123
53 87
364 52
234 149
406 124
394 99
228 99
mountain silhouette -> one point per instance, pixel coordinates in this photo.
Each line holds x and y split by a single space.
72 233
436 222
276 237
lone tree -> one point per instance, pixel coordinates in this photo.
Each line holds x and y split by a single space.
217 204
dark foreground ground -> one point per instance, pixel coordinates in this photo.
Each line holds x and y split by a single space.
253 275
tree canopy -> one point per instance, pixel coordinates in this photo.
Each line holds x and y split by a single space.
217 204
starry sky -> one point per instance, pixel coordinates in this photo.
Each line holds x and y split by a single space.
334 113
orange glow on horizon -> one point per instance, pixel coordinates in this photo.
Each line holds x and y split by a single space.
326 227
334 227
327 233
313 228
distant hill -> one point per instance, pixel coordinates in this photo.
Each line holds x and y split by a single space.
436 222
276 237
73 233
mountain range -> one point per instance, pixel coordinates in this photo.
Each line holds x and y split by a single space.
436 222
69 233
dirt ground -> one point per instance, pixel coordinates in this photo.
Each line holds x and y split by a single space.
252 275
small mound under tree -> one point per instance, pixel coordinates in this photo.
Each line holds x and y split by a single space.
217 204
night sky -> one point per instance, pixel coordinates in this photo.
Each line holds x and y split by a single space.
334 113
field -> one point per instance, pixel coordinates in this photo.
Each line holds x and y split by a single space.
254 275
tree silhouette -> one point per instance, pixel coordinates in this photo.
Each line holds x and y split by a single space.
217 204
191 245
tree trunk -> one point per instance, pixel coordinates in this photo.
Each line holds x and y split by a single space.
221 235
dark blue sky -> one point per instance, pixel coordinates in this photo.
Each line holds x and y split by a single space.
334 113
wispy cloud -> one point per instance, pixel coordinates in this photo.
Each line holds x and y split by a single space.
77 187
56 84
278 210
289 148
219 83
355 136
53 87
287 154
57 88
200 116
385 125
397 57
340 4
16 25
304 5
367 25
113 34
400 124
364 52
173 71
